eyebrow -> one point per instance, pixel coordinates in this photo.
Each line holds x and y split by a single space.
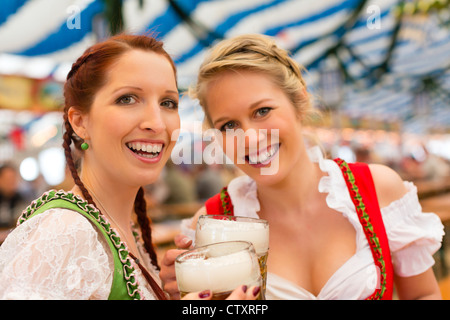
128 87
252 106
140 89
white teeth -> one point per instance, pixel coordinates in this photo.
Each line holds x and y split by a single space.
145 147
148 155
264 155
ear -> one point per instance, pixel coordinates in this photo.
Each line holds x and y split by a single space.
78 120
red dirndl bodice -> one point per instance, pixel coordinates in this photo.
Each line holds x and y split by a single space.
362 192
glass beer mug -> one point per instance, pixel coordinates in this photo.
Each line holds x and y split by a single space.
219 228
219 267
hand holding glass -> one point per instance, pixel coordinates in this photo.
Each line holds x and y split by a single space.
219 228
219 267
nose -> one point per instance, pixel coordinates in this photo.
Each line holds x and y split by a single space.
152 118
254 136
249 139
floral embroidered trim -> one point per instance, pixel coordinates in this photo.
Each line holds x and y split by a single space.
226 202
364 219
122 250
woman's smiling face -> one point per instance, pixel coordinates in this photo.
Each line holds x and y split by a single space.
252 104
133 116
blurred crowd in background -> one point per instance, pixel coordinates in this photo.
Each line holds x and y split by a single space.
189 185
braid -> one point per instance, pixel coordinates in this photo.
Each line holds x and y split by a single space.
257 53
283 57
140 207
68 136
80 61
88 75
264 49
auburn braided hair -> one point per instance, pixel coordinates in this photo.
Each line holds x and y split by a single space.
85 79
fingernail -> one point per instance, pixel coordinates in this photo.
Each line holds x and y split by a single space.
186 240
244 288
204 294
256 291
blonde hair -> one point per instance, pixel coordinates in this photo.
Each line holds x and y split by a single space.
258 53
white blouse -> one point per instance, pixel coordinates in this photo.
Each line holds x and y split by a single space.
413 236
60 255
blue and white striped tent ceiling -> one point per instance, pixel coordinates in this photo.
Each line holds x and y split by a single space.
39 38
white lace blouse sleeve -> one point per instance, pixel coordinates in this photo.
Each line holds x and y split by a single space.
414 236
56 255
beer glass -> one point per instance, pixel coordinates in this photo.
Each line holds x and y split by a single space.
219 228
219 267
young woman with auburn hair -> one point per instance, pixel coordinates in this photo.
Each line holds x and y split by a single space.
121 110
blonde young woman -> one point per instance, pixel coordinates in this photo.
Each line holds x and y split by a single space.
121 111
325 242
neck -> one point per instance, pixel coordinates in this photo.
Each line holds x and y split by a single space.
114 197
295 191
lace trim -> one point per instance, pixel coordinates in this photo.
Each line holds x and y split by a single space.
129 272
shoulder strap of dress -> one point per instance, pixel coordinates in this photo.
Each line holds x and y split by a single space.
124 286
362 191
220 204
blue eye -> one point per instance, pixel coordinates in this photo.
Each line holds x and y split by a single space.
230 125
262 111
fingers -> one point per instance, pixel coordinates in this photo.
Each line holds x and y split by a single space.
240 293
168 264
245 293
182 242
167 273
204 295
172 289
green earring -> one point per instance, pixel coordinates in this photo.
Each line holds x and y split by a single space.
84 146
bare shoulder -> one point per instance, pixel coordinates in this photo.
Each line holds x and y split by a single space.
200 212
388 184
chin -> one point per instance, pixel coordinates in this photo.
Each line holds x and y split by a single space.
267 176
268 180
147 177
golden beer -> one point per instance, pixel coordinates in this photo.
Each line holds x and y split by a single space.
218 228
262 261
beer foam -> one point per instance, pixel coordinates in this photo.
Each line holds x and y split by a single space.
217 273
215 230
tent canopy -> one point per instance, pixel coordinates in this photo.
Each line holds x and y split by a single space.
387 59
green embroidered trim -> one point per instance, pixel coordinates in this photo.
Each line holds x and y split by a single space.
226 202
123 253
371 236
